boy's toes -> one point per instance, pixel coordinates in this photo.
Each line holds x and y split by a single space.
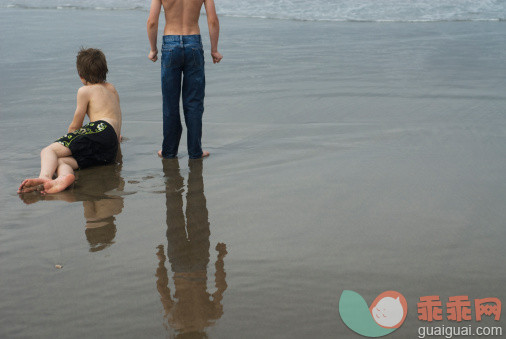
22 185
30 185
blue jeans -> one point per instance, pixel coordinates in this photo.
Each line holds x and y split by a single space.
182 58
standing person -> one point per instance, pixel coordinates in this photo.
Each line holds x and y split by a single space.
182 69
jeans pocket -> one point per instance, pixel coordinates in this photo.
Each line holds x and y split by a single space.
198 56
167 57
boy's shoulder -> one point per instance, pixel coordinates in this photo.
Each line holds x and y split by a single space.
83 93
84 90
111 87
96 89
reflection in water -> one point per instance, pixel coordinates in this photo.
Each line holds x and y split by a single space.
193 308
100 212
96 188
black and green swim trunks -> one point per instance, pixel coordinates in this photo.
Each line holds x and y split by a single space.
93 144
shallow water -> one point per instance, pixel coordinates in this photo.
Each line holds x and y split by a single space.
359 156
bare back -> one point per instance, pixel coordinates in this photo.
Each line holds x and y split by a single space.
103 104
182 16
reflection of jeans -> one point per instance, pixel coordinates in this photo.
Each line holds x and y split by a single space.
182 57
187 240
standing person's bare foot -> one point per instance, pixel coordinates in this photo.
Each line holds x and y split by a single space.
58 184
204 154
30 185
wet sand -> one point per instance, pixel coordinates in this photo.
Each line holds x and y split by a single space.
358 156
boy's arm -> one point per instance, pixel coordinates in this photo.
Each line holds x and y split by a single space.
214 29
154 14
81 109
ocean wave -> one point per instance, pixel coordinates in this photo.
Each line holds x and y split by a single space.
310 10
363 20
74 7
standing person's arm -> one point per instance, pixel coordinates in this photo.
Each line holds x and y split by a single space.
214 29
154 14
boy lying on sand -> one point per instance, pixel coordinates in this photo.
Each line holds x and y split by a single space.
83 146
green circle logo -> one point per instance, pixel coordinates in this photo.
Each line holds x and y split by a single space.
386 314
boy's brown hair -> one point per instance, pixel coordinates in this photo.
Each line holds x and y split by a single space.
91 65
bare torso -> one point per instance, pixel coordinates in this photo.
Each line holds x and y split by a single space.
104 105
182 16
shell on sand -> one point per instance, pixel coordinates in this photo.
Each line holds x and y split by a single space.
58 266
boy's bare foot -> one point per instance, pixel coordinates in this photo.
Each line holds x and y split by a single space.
30 185
58 184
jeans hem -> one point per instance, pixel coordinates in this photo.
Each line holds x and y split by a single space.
199 157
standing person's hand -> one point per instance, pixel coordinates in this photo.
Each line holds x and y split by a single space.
216 57
153 55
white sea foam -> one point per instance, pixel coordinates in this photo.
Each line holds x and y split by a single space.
313 10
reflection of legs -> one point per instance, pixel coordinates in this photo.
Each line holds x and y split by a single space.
51 158
197 216
176 230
